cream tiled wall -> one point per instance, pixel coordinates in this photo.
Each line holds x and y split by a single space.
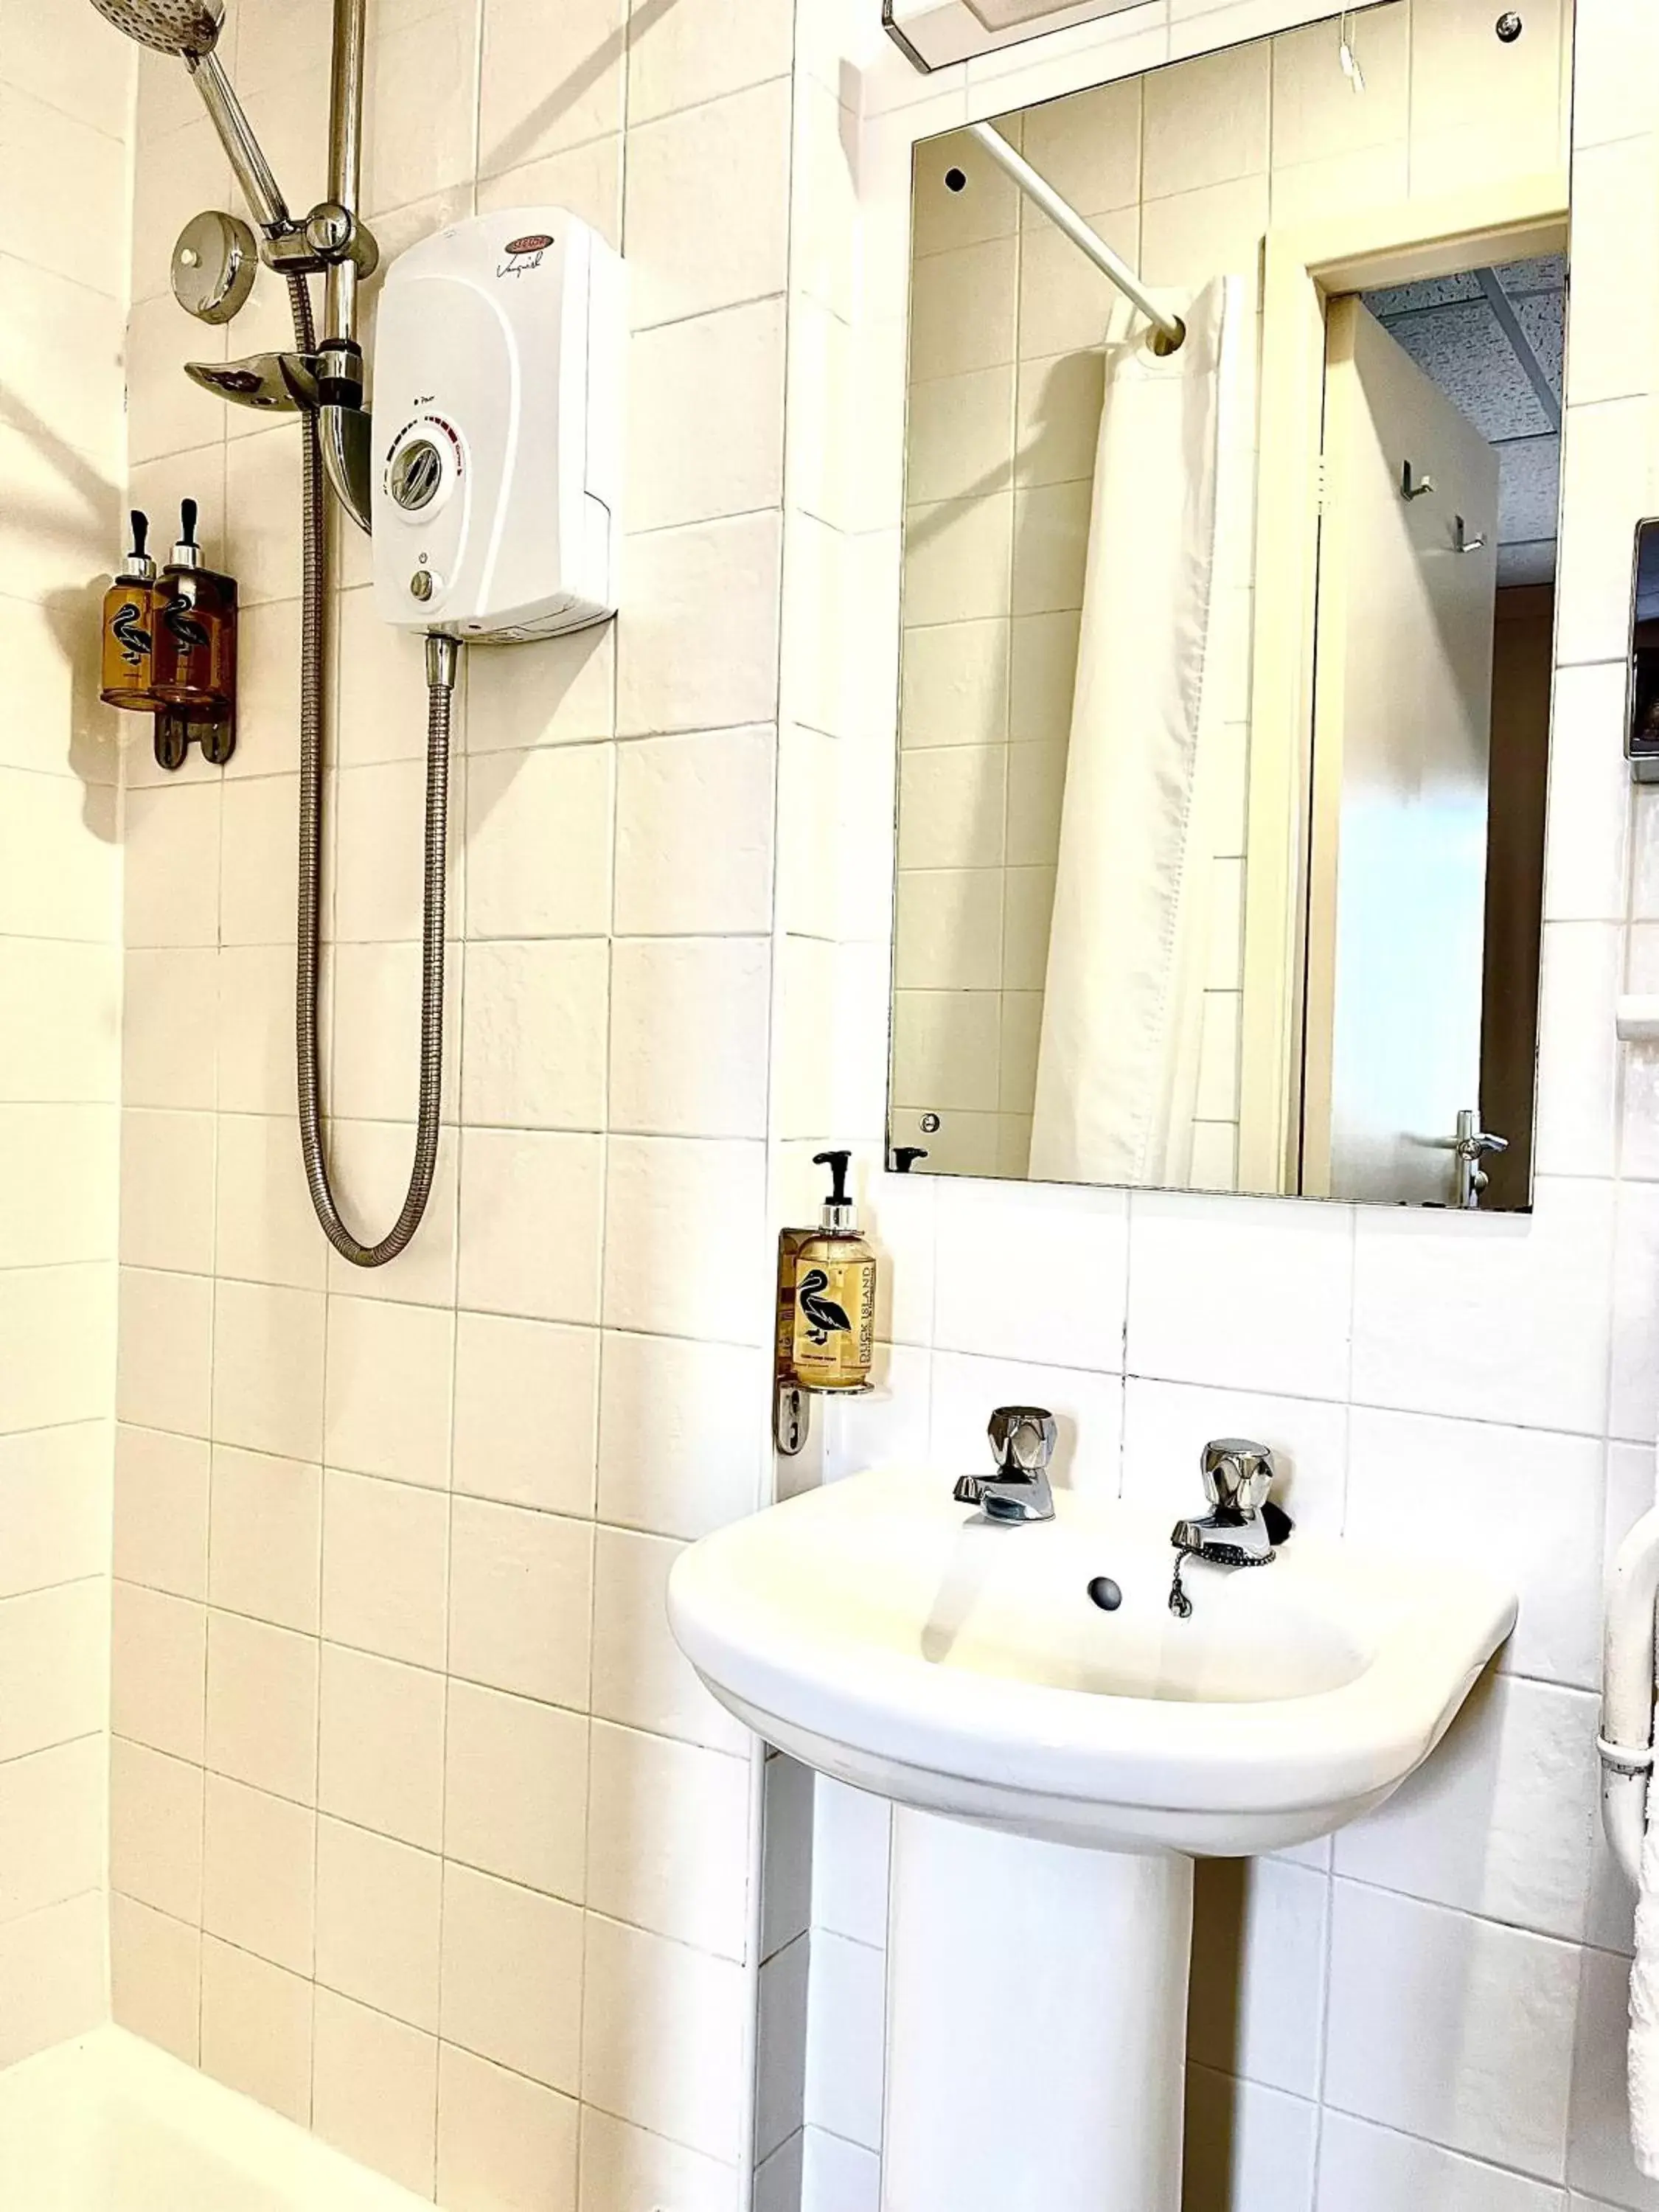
422 1832
1428 2011
63 126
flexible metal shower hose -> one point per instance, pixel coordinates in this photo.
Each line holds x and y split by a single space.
440 678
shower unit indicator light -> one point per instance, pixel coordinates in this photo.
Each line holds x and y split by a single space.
503 482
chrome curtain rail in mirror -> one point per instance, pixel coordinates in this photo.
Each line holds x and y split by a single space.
1224 718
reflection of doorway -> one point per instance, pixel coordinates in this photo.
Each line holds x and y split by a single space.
1432 718
1303 272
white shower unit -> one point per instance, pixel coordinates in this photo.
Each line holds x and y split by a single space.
498 378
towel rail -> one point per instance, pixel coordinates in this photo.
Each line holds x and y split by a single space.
1625 1742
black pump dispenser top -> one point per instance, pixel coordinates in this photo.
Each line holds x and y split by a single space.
187 554
139 568
840 1215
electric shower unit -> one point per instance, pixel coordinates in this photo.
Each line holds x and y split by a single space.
487 474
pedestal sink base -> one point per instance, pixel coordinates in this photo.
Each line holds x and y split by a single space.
1037 2024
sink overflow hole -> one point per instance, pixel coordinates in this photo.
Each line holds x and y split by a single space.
1105 1593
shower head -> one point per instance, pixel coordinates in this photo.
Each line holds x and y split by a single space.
187 29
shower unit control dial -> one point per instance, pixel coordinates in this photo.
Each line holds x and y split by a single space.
498 414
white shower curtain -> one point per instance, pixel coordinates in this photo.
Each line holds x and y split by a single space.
1117 1065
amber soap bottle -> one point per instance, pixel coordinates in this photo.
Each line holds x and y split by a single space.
129 649
194 630
835 1293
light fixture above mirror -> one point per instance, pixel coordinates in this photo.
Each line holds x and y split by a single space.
934 33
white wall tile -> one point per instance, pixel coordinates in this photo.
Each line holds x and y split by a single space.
377 1922
1368 2169
706 417
380 1746
375 2090
1060 1298
256 2028
511 1177
1248 2149
513 1977
667 1825
265 1553
521 1600
385 1568
155 1830
707 225
679 1450
516 1789
1508 1323
689 1035
525 1412
258 1891
1549 1547
1188 1320
262 1706
1452 2028
501 2139
538 842
1500 1820
662 2035
719 1287
387 1407
641 1678
55 1648
714 584
268 1350
161 1510
535 1022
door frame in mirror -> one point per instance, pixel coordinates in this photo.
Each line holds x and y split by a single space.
1301 270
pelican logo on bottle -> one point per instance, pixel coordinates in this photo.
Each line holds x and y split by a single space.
129 631
187 632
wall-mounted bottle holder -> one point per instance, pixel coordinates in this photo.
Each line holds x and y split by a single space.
169 647
792 1398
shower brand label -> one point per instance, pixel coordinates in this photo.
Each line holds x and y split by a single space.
524 254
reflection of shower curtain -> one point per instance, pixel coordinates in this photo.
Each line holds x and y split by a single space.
1117 1065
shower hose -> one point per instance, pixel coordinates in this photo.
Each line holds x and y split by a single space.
441 656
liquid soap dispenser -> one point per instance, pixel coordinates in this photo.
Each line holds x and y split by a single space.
130 627
835 1293
194 630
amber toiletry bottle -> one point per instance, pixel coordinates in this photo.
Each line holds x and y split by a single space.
130 627
835 1293
194 629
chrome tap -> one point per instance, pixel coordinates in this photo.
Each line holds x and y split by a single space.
1243 1528
1022 1438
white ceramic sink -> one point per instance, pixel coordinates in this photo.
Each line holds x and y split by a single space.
891 1636
888 1635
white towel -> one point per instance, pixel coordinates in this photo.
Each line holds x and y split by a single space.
1645 2001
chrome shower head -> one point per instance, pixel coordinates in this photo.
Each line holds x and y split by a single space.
187 29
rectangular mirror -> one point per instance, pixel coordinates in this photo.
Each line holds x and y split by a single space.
1225 724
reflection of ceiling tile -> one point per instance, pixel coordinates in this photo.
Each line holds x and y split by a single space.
1449 328
1463 349
1529 488
1543 317
1548 273
1432 292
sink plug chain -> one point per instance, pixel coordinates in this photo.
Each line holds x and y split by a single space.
1179 1604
